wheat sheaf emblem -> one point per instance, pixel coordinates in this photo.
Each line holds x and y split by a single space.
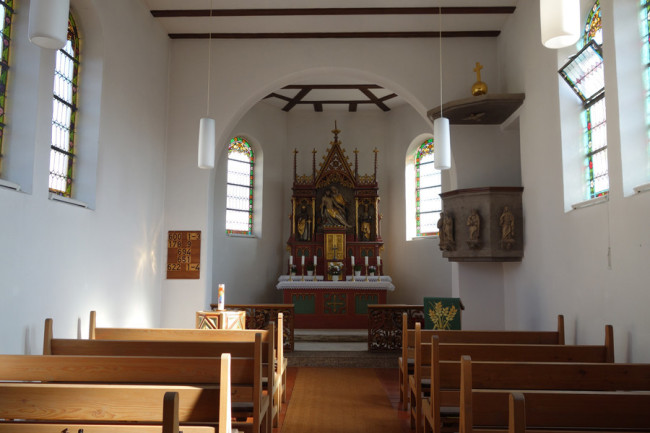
442 317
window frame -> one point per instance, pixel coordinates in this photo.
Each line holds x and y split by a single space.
8 9
68 124
426 148
241 145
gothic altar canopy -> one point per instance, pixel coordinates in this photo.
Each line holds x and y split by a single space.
335 215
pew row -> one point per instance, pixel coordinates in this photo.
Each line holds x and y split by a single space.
462 336
429 355
260 403
40 406
280 379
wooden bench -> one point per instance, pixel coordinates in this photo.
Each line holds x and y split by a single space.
276 350
566 412
260 408
44 406
427 355
455 336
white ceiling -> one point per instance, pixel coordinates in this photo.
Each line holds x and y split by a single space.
345 18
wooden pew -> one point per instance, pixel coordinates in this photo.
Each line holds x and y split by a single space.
462 336
260 408
579 412
428 355
44 406
276 350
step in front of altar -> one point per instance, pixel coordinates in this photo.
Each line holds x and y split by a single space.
342 359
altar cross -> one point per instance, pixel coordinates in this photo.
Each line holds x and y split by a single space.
477 69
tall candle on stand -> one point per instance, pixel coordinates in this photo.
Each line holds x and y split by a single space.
302 261
366 260
291 260
352 261
378 261
220 297
314 262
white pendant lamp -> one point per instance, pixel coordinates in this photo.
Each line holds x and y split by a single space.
207 125
560 22
48 23
441 135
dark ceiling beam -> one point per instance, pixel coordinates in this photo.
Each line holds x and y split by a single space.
353 107
374 99
296 99
338 35
318 107
277 95
173 13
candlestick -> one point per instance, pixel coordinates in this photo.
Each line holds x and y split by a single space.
315 263
352 260
378 261
220 297
291 260
302 261
366 260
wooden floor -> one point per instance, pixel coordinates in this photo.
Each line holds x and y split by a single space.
388 377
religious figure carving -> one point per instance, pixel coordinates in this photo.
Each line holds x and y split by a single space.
333 208
507 223
304 222
365 221
446 232
474 227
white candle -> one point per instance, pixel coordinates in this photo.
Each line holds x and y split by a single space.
291 260
378 261
352 260
314 261
302 261
366 260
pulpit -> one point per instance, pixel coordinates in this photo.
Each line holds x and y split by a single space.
335 226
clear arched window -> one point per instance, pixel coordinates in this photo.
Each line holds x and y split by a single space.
64 113
6 12
239 194
427 191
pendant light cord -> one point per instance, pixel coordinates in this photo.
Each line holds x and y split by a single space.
440 51
207 114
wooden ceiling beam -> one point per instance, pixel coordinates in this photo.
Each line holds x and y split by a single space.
472 10
296 99
339 35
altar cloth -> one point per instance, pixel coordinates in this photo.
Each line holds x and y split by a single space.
356 283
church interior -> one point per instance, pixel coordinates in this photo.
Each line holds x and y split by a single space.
146 79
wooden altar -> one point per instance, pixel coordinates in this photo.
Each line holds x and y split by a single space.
319 303
335 214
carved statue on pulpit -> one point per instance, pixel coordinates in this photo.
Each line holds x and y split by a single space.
333 208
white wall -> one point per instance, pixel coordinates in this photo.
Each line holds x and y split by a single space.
243 72
565 269
62 261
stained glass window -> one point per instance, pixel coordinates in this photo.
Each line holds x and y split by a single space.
6 12
584 73
427 191
239 194
645 53
64 113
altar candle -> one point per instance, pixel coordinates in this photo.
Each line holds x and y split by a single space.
291 260
366 260
314 261
302 261
220 297
352 260
378 261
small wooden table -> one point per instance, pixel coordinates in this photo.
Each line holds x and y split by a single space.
221 319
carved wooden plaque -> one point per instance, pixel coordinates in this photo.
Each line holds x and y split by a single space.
183 255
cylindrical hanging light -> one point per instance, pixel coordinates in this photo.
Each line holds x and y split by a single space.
441 144
206 143
48 23
441 134
560 22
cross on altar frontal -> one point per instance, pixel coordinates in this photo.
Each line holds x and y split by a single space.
477 69
334 218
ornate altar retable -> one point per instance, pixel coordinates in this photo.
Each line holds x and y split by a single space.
335 224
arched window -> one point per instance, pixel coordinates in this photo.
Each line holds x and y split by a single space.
239 194
427 191
6 11
64 113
